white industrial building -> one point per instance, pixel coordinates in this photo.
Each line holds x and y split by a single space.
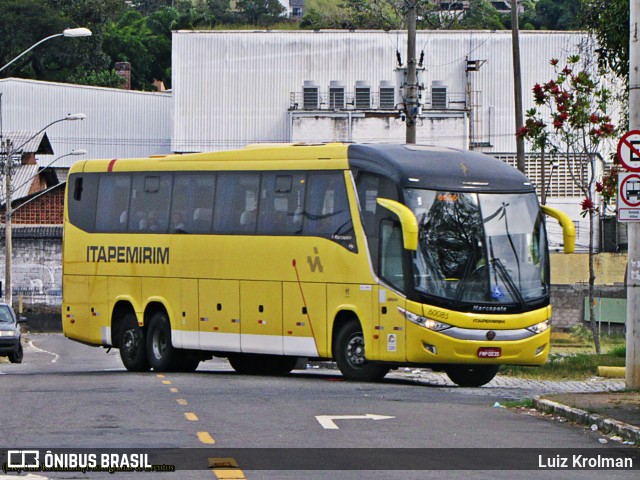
232 88
118 123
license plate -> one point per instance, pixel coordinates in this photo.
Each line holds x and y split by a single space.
489 352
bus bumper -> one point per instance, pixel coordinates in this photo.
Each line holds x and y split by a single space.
428 347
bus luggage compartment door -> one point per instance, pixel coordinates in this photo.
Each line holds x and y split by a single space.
219 315
261 317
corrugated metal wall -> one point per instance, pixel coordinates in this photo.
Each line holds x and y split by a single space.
233 88
119 123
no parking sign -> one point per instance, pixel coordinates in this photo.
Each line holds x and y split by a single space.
629 151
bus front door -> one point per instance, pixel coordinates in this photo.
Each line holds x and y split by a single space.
389 332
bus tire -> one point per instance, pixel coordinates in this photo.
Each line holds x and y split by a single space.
349 355
471 375
131 344
160 352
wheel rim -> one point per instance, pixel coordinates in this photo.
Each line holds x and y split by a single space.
130 343
159 343
355 350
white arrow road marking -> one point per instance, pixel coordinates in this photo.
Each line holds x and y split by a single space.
327 421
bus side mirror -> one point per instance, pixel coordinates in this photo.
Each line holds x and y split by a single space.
407 219
568 228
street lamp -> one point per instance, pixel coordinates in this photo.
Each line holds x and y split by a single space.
69 32
8 151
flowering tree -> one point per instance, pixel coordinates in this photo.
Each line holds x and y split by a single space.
578 124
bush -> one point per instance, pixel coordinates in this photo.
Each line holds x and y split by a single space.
583 333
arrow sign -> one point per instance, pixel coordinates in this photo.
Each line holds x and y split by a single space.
327 421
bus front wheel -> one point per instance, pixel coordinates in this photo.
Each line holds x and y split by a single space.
471 375
132 346
350 357
160 352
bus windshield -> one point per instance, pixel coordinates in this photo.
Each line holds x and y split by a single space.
484 249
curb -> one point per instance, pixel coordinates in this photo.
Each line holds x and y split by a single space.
605 425
611 372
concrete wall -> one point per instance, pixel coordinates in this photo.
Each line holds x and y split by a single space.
37 264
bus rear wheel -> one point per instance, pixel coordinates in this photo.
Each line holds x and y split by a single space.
471 375
160 352
350 357
132 345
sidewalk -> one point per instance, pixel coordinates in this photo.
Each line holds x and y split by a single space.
599 401
613 413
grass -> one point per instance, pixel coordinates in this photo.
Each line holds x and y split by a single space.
573 358
522 403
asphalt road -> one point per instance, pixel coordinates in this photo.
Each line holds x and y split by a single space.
67 395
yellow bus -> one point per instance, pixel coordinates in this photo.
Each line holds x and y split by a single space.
375 256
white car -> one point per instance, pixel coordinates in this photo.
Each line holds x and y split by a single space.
10 336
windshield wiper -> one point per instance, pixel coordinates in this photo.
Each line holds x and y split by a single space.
506 278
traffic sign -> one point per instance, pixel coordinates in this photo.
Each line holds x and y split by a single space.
629 150
629 197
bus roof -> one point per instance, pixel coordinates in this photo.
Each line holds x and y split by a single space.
416 166
438 168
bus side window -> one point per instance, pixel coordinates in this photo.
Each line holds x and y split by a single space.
82 200
391 249
236 202
281 203
327 212
113 203
150 199
192 202
371 187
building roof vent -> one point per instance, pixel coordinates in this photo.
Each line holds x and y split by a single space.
387 95
336 95
310 95
363 95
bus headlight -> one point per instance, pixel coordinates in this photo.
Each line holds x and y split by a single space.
8 333
539 327
429 323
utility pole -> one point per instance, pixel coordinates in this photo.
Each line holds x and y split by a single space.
7 224
411 105
517 83
633 255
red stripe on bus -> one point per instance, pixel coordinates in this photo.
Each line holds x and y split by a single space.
110 167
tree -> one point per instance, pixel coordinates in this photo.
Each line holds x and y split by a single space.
259 12
481 16
127 40
578 126
608 21
24 23
559 14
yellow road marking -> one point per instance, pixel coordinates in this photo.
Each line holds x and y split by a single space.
160 375
191 416
204 437
229 474
181 401
173 389
166 382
